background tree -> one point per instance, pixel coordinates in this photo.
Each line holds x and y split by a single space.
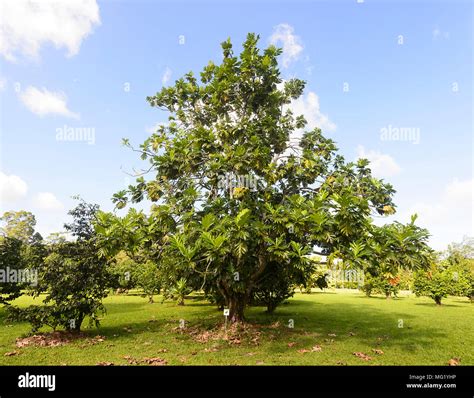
238 194
10 258
22 250
73 276
451 274
18 224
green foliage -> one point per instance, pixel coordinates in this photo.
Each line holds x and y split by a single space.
122 270
18 224
74 278
274 287
10 259
436 283
21 252
235 197
147 278
386 284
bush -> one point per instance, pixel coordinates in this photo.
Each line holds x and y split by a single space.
147 278
123 270
75 281
385 284
436 283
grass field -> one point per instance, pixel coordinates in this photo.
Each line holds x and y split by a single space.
340 323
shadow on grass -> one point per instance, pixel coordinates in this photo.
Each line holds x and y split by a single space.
366 323
434 305
313 321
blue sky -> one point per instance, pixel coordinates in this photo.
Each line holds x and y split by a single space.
369 66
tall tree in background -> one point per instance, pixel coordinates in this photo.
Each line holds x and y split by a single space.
18 224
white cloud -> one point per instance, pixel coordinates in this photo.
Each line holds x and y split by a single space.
166 76
450 217
28 24
44 102
47 201
283 34
309 107
3 84
381 164
12 188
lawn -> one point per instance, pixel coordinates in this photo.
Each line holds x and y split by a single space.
338 324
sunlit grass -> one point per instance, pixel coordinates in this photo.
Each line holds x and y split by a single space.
409 331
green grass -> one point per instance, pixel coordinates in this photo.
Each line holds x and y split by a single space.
431 335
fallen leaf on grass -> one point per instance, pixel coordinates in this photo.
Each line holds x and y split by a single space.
329 341
292 344
155 361
341 363
259 362
361 355
249 354
210 350
377 351
52 339
332 334
235 341
316 348
104 363
352 334
454 361
130 360
12 353
303 351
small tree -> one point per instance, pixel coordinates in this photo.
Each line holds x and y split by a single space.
147 278
74 278
436 283
122 269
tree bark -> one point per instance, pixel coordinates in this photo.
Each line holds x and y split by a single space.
237 306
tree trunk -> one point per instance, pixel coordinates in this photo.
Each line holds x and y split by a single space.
237 306
77 324
437 300
271 308
387 295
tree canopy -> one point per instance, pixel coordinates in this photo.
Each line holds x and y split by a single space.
243 192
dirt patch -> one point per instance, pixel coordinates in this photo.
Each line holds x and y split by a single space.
55 339
234 334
